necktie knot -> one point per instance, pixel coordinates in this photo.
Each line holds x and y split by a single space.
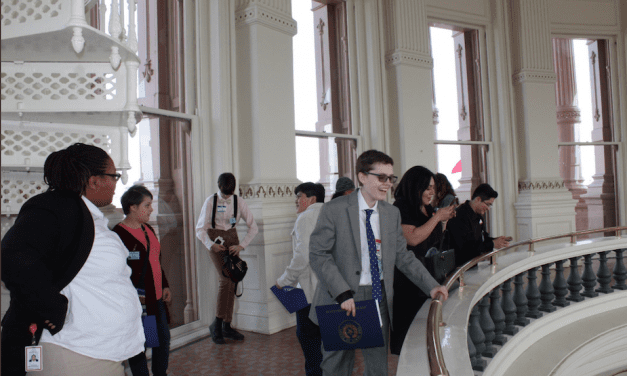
369 213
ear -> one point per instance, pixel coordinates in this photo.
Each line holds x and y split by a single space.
362 177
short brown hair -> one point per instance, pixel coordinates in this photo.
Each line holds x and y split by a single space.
226 183
368 158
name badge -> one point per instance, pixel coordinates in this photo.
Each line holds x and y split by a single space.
221 208
232 221
133 255
33 359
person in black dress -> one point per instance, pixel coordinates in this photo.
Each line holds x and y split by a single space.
422 229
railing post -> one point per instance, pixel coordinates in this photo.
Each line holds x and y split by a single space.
559 285
620 272
498 316
521 301
574 282
588 278
533 294
603 274
487 325
546 290
478 339
509 308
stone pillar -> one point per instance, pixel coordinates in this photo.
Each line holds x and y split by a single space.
409 65
267 158
568 116
544 205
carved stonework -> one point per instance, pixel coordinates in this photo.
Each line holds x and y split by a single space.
253 191
545 185
570 116
404 57
547 77
260 14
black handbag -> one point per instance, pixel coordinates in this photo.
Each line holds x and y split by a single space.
440 262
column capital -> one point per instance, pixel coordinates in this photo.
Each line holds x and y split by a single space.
535 76
410 58
268 190
258 12
540 185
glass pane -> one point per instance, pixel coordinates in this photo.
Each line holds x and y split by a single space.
159 158
589 173
464 166
324 160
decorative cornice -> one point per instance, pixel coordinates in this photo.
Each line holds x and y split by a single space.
535 76
568 116
259 14
265 190
405 57
537 185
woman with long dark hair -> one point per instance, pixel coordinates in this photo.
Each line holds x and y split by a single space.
422 229
148 276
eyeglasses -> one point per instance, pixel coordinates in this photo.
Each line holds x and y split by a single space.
383 177
115 176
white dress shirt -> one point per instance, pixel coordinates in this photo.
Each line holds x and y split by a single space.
223 219
299 271
104 313
366 278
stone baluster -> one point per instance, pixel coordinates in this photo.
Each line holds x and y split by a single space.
603 274
475 358
132 34
620 272
574 282
498 316
509 308
533 294
589 278
521 301
560 286
546 290
115 27
487 325
478 338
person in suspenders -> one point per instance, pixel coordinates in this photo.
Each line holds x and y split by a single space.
216 230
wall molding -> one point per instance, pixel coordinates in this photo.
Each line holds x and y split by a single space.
266 190
409 58
263 15
540 185
535 76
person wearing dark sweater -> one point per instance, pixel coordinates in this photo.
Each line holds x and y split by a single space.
144 259
467 230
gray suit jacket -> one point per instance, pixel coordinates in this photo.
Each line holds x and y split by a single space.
335 252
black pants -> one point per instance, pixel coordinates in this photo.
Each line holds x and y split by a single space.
161 354
308 335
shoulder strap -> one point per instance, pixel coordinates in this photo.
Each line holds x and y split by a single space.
213 215
234 209
142 282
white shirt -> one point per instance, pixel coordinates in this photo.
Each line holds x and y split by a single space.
299 271
224 213
104 313
366 277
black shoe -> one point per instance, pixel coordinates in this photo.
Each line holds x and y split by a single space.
216 333
232 333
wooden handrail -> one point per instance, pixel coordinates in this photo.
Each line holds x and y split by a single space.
437 367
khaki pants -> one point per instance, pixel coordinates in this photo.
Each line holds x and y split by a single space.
59 361
226 289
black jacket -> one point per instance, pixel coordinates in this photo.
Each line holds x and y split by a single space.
468 235
41 254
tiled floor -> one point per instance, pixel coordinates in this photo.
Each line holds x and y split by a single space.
258 354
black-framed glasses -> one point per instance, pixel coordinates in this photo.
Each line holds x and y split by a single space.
383 177
115 176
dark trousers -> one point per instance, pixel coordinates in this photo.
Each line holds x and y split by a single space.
308 335
161 354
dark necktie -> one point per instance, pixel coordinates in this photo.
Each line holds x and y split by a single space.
374 261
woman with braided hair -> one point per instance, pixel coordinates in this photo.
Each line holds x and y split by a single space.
67 274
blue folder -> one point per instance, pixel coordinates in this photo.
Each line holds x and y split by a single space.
293 299
341 332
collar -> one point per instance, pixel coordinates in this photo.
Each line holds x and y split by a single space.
93 209
312 207
221 198
362 203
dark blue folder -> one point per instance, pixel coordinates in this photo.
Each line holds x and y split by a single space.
293 299
341 332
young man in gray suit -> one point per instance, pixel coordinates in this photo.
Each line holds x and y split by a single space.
353 250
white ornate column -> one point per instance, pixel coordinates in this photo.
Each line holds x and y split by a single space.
544 205
568 116
409 65
266 152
